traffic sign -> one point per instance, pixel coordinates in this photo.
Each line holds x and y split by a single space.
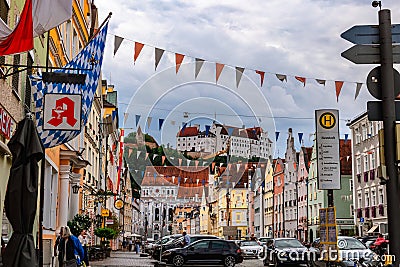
369 54
375 86
374 109
361 219
369 34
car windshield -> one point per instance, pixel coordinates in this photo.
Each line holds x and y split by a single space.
248 243
350 243
288 243
263 239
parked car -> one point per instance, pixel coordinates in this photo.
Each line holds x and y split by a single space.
176 243
350 250
251 249
205 251
151 246
285 251
263 240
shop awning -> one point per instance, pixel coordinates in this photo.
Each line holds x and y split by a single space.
373 229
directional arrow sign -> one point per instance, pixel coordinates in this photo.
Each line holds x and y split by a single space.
368 54
369 34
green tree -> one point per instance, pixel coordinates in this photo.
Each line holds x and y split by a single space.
78 223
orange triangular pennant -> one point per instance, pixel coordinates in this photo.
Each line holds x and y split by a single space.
138 48
261 73
178 61
218 69
301 79
338 85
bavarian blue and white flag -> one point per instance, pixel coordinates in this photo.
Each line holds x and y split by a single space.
89 62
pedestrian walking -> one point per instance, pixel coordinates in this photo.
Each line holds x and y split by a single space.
124 245
83 238
130 245
137 246
70 249
186 239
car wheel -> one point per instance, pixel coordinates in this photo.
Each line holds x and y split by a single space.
178 260
229 261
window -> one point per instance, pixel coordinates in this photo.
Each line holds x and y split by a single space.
50 197
373 161
357 136
358 165
367 203
201 245
359 199
218 244
366 163
371 128
364 132
351 184
381 199
352 210
373 198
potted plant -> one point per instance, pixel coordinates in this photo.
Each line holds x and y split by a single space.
106 234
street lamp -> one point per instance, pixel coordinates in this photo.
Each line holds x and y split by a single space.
75 188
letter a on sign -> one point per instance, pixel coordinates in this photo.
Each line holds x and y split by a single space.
62 112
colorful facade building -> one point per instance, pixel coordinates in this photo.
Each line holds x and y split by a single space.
279 183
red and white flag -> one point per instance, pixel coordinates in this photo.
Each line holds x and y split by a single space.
35 19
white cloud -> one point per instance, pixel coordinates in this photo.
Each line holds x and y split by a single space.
294 37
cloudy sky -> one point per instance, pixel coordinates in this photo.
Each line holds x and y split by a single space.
294 37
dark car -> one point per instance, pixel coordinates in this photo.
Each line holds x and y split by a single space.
285 251
206 251
350 249
176 243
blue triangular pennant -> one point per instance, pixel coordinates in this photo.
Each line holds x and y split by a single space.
300 137
207 129
160 123
276 136
137 119
346 137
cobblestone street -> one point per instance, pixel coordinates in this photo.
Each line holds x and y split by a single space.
124 259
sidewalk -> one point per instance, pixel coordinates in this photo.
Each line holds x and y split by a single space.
122 259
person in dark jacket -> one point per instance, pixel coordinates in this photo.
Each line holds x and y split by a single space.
69 248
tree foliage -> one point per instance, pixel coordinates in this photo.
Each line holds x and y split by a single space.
78 223
106 232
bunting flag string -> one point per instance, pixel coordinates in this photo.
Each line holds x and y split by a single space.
138 49
157 54
178 61
117 43
239 73
219 67
199 64
261 73
338 85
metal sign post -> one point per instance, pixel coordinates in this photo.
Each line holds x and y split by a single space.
388 54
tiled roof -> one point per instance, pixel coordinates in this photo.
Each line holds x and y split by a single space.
190 192
188 131
169 175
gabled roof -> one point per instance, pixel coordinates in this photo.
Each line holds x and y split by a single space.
188 131
190 176
190 192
